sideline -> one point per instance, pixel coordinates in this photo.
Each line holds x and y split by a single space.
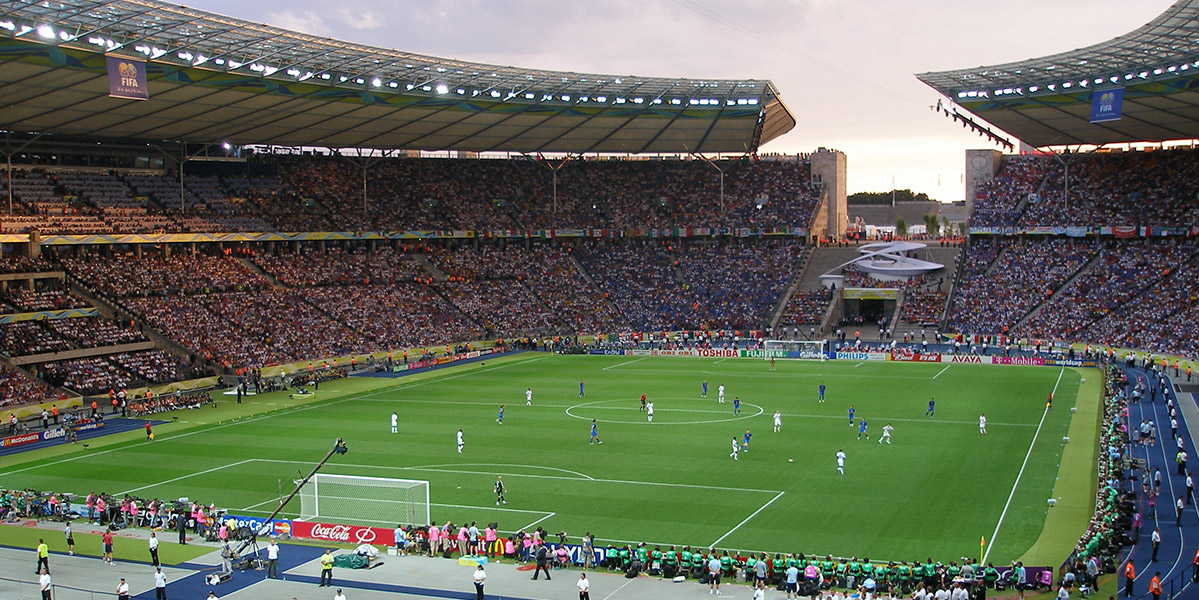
1032 445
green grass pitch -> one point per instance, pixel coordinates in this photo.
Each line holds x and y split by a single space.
935 491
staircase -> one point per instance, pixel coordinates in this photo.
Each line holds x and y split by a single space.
438 274
1068 283
253 266
792 286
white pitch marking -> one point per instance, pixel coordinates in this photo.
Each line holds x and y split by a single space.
627 362
942 371
754 514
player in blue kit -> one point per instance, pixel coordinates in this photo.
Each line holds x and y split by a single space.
745 441
594 434
822 391
500 419
704 394
851 416
581 388
862 429
736 405
932 406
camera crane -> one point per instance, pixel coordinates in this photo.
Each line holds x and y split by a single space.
339 447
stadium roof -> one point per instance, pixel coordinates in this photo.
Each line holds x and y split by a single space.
214 78
1047 101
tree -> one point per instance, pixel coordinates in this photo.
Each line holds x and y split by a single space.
901 227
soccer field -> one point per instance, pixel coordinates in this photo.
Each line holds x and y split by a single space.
934 491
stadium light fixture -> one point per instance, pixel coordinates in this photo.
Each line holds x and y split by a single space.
9 25
675 101
94 40
753 101
64 36
638 100
200 59
460 91
185 56
619 100
233 64
1032 89
1157 71
409 86
219 61
359 81
393 85
226 146
325 76
657 101
293 72
495 93
46 31
377 82
530 96
601 99
23 30
566 97
443 88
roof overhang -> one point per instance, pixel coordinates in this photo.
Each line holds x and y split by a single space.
1047 101
213 78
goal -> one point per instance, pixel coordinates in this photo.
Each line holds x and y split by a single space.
801 349
370 500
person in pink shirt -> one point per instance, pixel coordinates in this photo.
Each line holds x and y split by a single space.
462 537
509 549
434 540
489 540
133 513
101 507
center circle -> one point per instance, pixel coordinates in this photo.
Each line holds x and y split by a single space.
678 405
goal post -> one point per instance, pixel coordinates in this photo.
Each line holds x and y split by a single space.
360 499
796 349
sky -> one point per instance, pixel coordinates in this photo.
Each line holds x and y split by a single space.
843 67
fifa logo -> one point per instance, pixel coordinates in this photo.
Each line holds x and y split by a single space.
1106 101
128 74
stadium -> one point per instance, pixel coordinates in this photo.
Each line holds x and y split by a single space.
277 306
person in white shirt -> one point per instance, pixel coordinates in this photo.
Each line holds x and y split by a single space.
841 462
736 449
339 595
460 442
153 549
982 424
480 577
272 560
584 587
395 423
122 590
887 429
529 397
778 421
760 590
720 394
43 584
160 585
649 410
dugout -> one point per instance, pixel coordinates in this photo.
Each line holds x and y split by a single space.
871 304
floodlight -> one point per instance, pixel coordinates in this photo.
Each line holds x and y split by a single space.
185 55
226 145
9 25
601 98
529 96
46 31
393 84
638 100
376 82
443 88
63 35
495 93
95 41
566 97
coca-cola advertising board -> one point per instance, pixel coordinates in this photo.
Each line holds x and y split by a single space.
344 534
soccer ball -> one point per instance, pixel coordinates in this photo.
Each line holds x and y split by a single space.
790 460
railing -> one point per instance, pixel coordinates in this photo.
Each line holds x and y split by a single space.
15 589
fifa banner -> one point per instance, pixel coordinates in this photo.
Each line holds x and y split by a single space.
345 534
127 79
870 294
262 527
1106 105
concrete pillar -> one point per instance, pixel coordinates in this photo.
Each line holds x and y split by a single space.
828 167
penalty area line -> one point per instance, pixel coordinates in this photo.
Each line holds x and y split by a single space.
754 514
627 362
530 525
942 371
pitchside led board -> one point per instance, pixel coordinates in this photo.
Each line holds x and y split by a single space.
1106 105
127 79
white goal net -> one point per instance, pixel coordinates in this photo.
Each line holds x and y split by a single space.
364 500
796 349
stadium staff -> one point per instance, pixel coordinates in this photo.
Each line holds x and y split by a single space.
1130 573
326 568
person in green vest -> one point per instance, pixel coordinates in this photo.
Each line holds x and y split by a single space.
930 572
685 560
853 573
778 568
952 571
905 577
842 567
697 563
643 555
827 567
624 556
867 569
726 564
655 560
990 575
670 563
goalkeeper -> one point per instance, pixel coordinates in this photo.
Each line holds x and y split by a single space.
499 491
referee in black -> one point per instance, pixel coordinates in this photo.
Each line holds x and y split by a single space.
499 491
